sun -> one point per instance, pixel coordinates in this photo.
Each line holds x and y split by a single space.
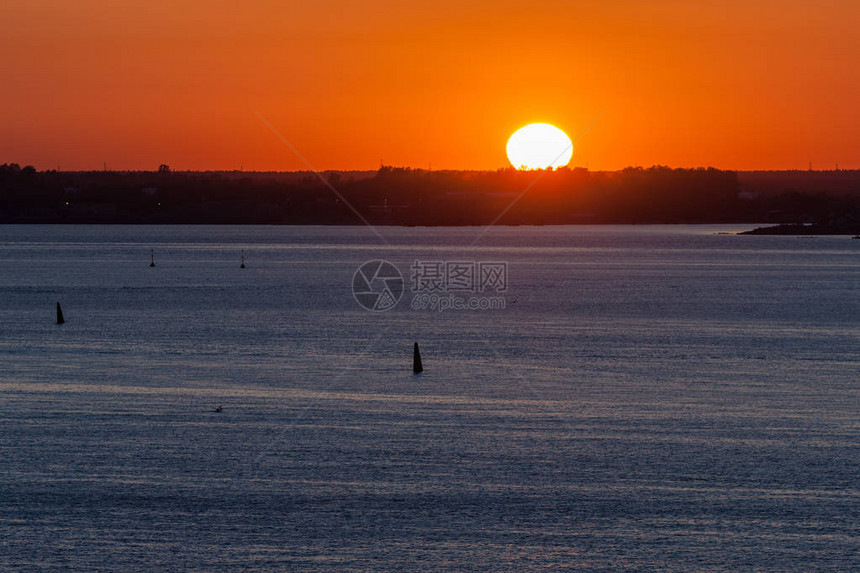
538 146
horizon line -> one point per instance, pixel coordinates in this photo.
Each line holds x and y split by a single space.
835 169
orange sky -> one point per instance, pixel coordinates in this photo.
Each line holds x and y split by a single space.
732 84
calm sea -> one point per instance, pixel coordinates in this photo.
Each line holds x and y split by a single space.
648 398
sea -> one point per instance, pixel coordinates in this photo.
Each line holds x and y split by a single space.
594 398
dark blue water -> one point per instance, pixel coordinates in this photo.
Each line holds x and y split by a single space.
649 398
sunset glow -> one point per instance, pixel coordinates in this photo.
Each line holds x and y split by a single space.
398 285
738 85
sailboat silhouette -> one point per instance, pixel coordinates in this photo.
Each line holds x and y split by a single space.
417 367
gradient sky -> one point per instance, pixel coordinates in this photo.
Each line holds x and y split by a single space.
731 84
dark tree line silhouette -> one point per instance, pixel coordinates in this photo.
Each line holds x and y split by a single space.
404 196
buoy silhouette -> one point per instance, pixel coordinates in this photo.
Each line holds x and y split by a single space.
151 258
416 361
60 319
242 266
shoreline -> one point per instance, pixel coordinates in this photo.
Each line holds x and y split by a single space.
802 229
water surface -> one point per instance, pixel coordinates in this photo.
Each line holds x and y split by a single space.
650 398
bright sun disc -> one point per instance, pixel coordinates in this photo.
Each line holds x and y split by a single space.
538 146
